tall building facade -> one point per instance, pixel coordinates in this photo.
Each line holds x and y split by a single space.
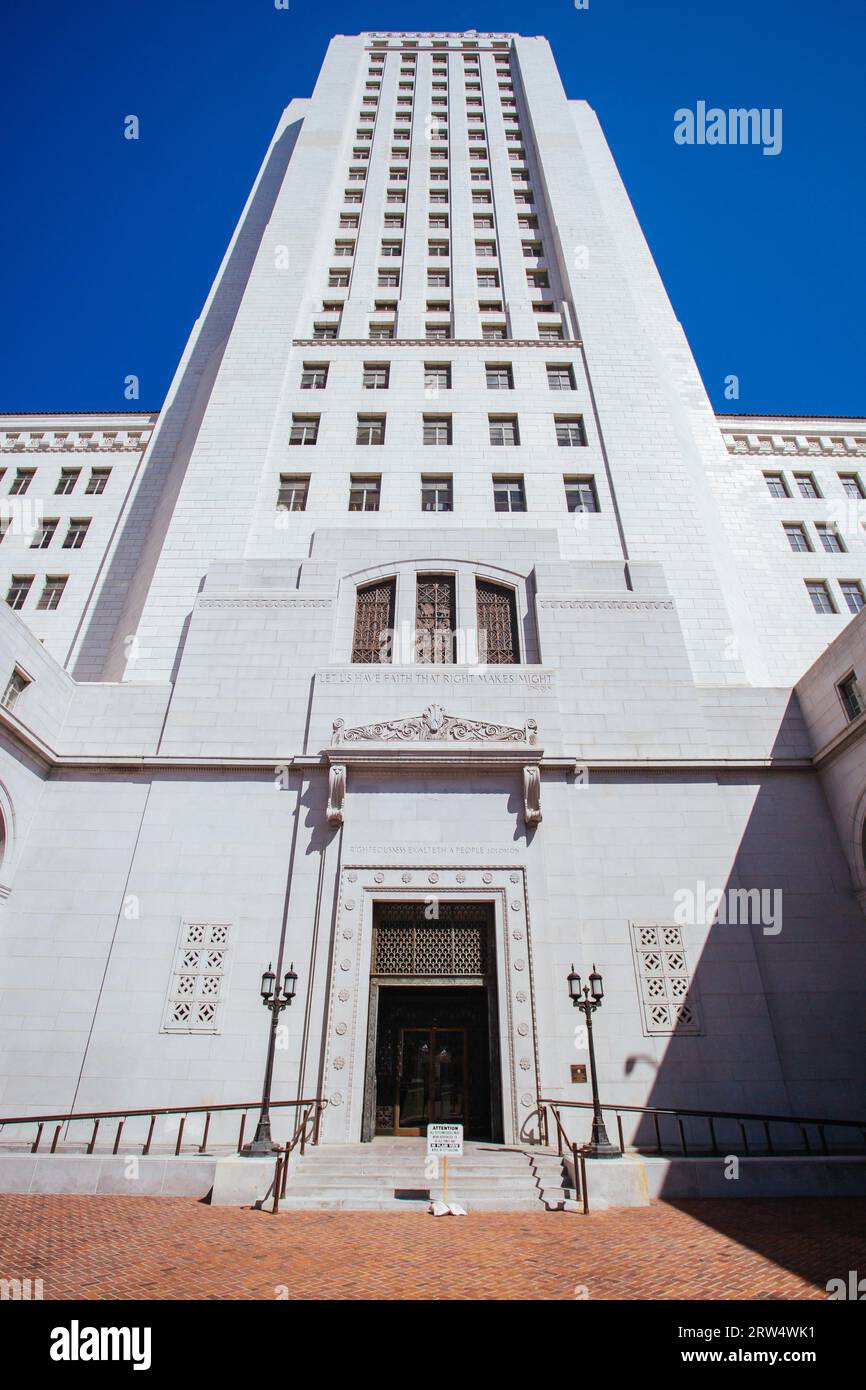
434 637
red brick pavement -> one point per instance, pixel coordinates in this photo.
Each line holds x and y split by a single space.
176 1248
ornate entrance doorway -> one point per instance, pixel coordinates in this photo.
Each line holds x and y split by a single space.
433 1050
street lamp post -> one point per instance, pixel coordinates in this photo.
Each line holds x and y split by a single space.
588 998
276 1001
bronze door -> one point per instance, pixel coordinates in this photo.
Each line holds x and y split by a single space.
431 1079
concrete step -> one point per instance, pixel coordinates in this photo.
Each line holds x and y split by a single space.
374 1177
472 1203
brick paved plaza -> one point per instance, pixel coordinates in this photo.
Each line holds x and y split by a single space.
176 1248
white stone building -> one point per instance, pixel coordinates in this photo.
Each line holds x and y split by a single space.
438 393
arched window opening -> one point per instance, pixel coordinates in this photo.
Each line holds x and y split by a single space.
374 623
435 616
497 624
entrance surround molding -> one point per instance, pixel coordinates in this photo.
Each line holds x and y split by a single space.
435 741
345 1053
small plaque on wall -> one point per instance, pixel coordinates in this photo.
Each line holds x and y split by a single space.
578 1072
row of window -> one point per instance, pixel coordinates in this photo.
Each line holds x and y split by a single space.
436 279
66 483
437 492
807 487
821 593
396 197
46 531
436 636
345 247
433 306
503 430
798 537
386 330
498 376
21 584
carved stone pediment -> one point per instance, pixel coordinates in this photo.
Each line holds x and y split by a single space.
434 725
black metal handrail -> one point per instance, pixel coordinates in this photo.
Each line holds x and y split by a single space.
741 1118
97 1116
577 1157
281 1168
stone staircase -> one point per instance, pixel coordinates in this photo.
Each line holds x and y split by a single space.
389 1175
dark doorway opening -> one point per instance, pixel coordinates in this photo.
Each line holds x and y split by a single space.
433 1047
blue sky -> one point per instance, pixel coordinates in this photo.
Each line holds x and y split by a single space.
108 246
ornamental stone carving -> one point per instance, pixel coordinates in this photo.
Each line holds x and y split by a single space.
434 726
532 795
336 794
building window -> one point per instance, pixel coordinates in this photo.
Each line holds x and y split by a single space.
74 538
364 492
392 248
376 376
389 279
314 377
851 696
324 332
434 619
381 330
438 279
45 534
374 623
437 332
560 378
370 429
550 332
503 430
499 376
829 538
493 332
437 492
580 494
98 480
53 591
819 593
806 485
197 986
344 248
437 248
437 429
292 494
305 429
15 686
509 494
776 485
437 376
569 431
485 248
22 480
797 536
852 592
487 279
497 624
19 588
852 485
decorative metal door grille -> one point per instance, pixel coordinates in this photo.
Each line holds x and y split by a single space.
434 619
198 980
666 992
457 944
374 623
497 625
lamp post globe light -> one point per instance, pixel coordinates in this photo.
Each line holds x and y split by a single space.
588 998
276 1000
